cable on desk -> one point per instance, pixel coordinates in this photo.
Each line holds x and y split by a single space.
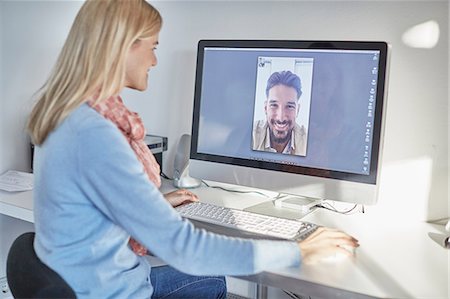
323 205
295 296
236 191
224 189
165 176
327 206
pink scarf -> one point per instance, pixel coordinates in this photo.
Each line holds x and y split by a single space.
132 128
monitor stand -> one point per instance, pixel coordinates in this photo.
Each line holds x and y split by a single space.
286 206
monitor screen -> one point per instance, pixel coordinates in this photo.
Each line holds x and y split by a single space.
310 108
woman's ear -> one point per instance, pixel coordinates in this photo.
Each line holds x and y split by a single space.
136 43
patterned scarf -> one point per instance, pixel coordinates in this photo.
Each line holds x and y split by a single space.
132 128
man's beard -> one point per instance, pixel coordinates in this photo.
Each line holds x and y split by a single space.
280 140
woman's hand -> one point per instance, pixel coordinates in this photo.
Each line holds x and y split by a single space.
178 197
325 242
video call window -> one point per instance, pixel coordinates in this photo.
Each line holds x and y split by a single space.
282 105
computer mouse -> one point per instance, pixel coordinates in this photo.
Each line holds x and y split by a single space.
339 256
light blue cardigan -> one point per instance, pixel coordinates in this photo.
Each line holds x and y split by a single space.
91 194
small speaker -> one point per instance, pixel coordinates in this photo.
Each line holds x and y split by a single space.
181 178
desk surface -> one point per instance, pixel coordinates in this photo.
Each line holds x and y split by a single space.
17 205
395 260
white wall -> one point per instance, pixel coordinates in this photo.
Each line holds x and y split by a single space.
33 34
415 165
415 161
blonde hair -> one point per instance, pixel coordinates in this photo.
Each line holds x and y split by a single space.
92 61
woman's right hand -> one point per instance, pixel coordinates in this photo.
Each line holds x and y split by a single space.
325 242
178 197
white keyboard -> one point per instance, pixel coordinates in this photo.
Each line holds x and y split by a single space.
247 221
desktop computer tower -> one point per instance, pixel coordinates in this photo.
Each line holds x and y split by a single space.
157 145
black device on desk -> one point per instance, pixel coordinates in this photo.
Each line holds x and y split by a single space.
157 145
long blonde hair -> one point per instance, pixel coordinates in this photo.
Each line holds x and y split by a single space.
92 61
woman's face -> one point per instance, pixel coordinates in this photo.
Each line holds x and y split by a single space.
141 58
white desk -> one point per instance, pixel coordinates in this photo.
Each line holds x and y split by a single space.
395 260
17 205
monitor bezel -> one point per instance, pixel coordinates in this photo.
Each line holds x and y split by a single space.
371 178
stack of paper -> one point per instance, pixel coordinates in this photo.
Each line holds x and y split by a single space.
14 181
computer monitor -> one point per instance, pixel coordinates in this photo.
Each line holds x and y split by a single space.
297 117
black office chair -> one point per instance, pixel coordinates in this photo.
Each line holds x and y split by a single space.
28 277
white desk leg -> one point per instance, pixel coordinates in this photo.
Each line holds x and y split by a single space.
261 291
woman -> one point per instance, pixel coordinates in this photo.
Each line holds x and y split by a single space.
96 183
